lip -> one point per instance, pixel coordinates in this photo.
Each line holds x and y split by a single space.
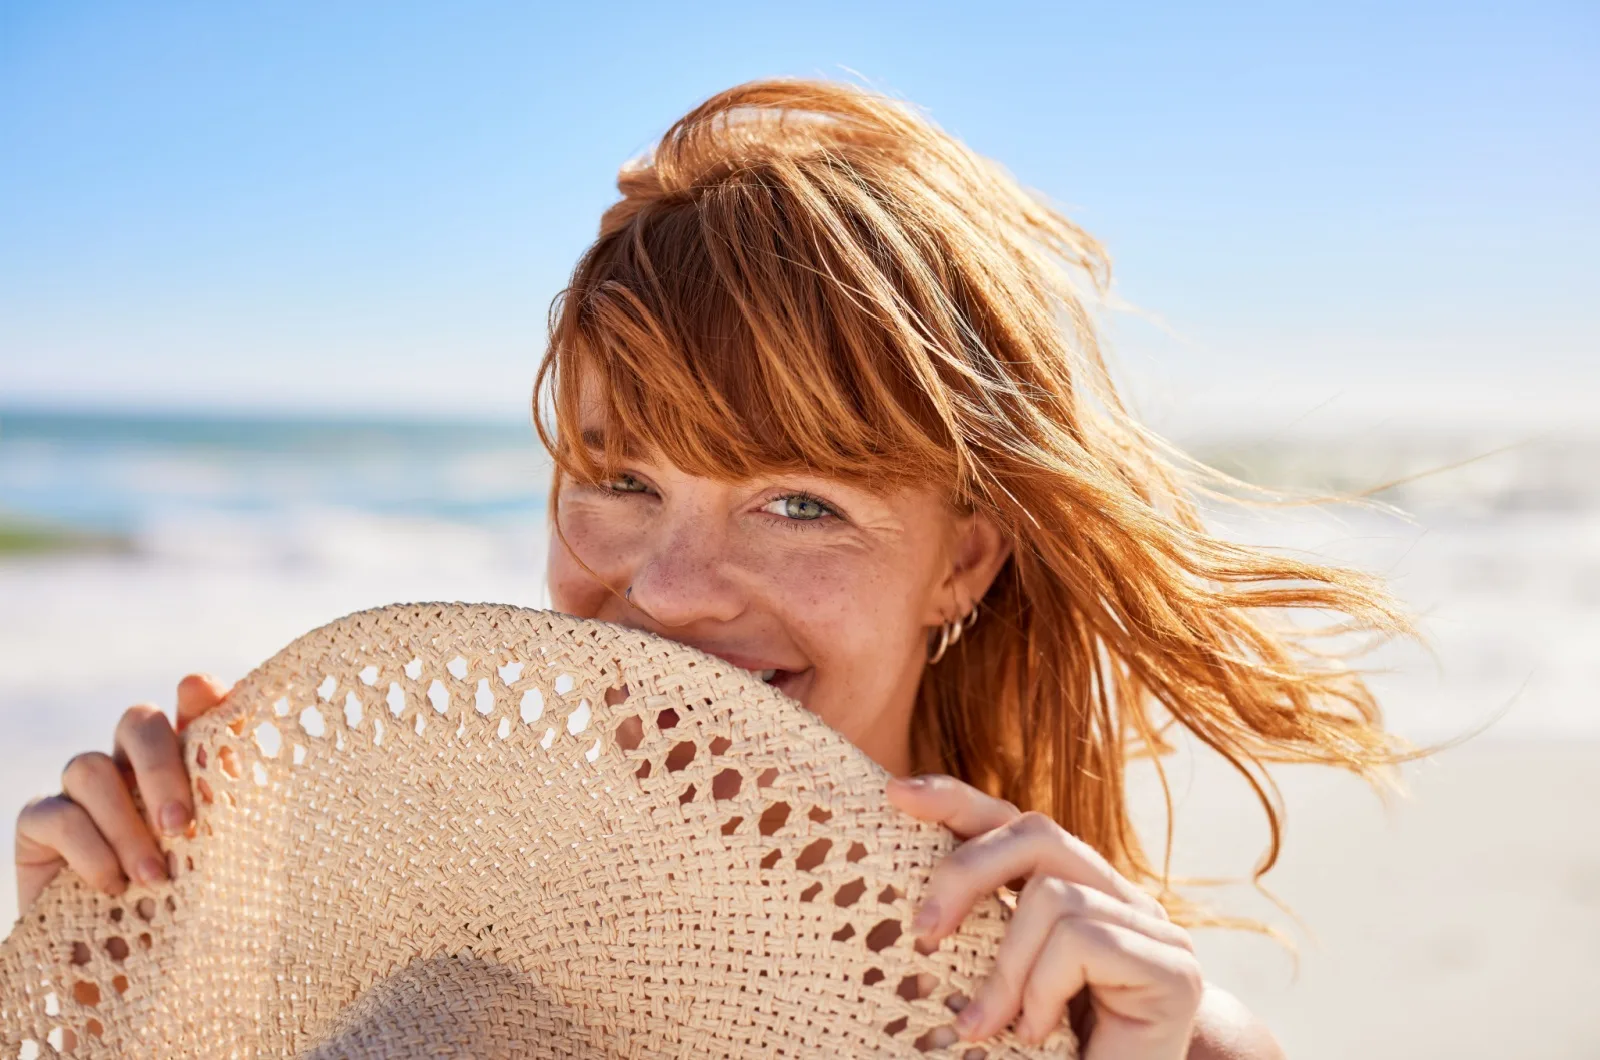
753 663
790 680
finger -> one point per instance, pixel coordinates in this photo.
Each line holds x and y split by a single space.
1044 901
93 781
1145 992
145 740
957 805
198 693
55 832
1029 845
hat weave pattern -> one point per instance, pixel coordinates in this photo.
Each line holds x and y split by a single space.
477 830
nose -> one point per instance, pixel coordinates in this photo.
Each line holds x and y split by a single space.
682 575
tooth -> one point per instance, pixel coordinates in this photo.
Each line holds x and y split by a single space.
767 675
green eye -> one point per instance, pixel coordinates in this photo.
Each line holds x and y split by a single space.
798 507
623 483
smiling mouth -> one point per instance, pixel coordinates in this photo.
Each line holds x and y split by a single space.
785 681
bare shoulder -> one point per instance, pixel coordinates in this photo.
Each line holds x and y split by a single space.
1225 1030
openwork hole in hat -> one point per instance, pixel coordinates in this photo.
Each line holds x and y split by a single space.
454 830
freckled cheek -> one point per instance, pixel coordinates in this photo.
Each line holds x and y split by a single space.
606 545
850 619
572 590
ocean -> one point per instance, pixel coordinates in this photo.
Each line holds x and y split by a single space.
267 490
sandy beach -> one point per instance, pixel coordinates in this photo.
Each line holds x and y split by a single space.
1462 922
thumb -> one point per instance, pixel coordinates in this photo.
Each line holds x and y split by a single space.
197 694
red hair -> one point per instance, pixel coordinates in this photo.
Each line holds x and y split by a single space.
810 275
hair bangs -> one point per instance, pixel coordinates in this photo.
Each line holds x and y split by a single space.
732 365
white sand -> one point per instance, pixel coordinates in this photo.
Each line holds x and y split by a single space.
1463 923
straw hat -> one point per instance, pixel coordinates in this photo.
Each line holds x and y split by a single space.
459 830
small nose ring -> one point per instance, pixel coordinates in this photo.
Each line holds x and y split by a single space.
628 593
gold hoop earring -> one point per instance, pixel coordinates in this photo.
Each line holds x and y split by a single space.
951 631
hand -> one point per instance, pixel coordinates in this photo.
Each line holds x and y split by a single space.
1078 924
93 827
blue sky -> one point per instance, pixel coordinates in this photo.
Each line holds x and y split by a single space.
369 206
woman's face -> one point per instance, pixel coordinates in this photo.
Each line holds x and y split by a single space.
831 587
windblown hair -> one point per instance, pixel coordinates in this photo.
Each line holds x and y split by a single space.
809 275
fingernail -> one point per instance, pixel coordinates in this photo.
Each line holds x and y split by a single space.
927 916
174 818
912 782
970 1017
151 870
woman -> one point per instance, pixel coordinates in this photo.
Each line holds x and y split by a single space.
824 400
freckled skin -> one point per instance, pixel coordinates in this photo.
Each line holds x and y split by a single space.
845 596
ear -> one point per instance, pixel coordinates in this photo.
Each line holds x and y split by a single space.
978 549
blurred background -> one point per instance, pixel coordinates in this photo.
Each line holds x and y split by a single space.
273 281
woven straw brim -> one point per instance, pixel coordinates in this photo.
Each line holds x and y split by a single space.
463 830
